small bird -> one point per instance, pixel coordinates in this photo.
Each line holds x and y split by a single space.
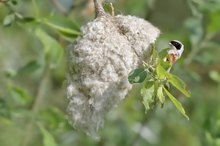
175 52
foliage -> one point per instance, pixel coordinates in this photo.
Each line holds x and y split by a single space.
32 102
156 78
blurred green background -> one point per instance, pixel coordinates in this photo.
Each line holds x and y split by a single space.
34 35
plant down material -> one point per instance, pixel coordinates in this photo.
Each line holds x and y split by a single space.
99 63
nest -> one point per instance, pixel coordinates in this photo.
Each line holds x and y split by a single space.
99 62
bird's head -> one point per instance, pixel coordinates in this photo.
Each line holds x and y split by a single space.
176 50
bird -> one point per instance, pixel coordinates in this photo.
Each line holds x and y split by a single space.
175 51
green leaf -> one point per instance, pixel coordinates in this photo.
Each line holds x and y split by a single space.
148 84
27 20
165 64
52 117
107 7
147 92
163 53
214 25
8 20
215 76
48 139
161 72
20 96
14 2
4 108
65 27
176 103
137 76
52 49
160 94
178 84
154 54
29 68
28 23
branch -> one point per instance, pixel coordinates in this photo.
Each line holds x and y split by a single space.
5 2
99 11
60 7
35 106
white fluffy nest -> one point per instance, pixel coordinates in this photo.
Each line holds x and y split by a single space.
98 66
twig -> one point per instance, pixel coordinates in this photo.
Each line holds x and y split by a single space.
60 7
35 106
5 2
99 11
112 9
36 10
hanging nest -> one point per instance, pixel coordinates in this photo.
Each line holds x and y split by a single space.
99 62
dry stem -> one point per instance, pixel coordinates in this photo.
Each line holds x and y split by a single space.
99 11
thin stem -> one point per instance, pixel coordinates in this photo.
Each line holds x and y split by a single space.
5 2
112 9
60 7
36 10
36 105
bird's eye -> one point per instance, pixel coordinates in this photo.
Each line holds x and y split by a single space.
176 44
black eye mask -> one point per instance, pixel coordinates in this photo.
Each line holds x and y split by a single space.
176 44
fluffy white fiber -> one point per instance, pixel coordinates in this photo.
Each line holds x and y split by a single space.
98 66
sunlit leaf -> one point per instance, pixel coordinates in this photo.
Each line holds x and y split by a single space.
137 76
215 76
147 92
52 49
160 94
176 103
161 72
9 19
164 63
154 54
178 84
209 138
149 84
48 139
163 53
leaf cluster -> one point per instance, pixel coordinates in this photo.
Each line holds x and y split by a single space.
156 80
